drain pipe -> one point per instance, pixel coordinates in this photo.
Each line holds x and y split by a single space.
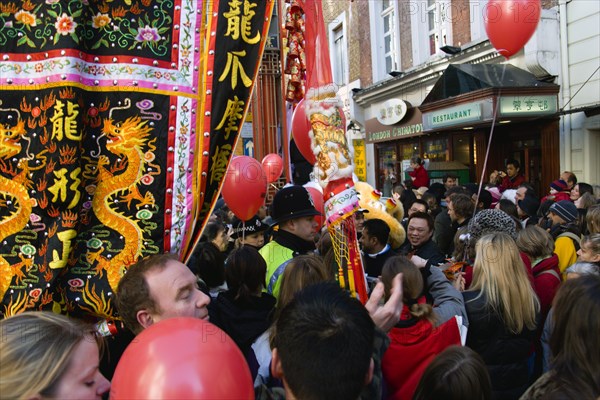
565 85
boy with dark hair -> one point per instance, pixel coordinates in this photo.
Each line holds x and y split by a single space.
512 178
375 247
323 327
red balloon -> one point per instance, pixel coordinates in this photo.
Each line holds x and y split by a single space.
245 187
317 198
182 358
301 127
273 166
511 23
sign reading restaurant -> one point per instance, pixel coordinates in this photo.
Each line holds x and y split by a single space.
449 116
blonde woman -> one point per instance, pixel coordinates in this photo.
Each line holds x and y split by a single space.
502 309
49 356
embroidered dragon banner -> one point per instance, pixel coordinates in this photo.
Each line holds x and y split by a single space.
111 145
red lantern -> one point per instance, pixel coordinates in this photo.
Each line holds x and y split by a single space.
273 167
182 358
511 23
245 187
317 198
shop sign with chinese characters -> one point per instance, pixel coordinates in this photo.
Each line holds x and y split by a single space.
360 159
528 105
392 111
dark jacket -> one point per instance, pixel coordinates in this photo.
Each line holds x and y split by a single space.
374 264
429 251
443 232
504 353
243 320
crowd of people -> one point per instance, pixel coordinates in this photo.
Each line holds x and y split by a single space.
495 294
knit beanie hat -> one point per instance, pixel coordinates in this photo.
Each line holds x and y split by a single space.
559 185
564 209
529 205
491 221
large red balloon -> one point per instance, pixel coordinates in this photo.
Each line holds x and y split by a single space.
182 358
245 187
273 166
511 23
317 198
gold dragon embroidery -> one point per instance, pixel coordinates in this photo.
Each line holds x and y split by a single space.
126 140
13 192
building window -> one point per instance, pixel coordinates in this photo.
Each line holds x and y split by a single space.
436 15
389 36
436 149
477 12
339 50
385 40
431 25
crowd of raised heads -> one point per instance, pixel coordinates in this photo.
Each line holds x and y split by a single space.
493 294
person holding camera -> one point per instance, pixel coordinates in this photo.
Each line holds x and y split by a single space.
511 179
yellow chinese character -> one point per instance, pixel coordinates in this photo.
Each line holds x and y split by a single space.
239 24
219 166
65 125
233 113
235 66
59 188
57 121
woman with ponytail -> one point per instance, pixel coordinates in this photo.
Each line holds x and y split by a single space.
244 311
415 340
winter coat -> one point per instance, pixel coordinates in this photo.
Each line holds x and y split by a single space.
566 243
514 183
374 263
504 353
414 344
421 177
278 252
546 276
243 320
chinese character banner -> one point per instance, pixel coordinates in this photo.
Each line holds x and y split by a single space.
100 102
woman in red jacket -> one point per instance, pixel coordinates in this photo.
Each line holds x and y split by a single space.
415 340
418 174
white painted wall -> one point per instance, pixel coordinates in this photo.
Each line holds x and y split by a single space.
581 135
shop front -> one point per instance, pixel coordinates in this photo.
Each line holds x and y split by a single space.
451 129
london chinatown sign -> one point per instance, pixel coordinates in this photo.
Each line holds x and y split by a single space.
411 125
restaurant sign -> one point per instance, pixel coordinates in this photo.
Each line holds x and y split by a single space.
451 116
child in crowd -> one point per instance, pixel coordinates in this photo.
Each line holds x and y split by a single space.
558 191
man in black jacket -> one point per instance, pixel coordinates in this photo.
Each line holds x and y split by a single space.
375 247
